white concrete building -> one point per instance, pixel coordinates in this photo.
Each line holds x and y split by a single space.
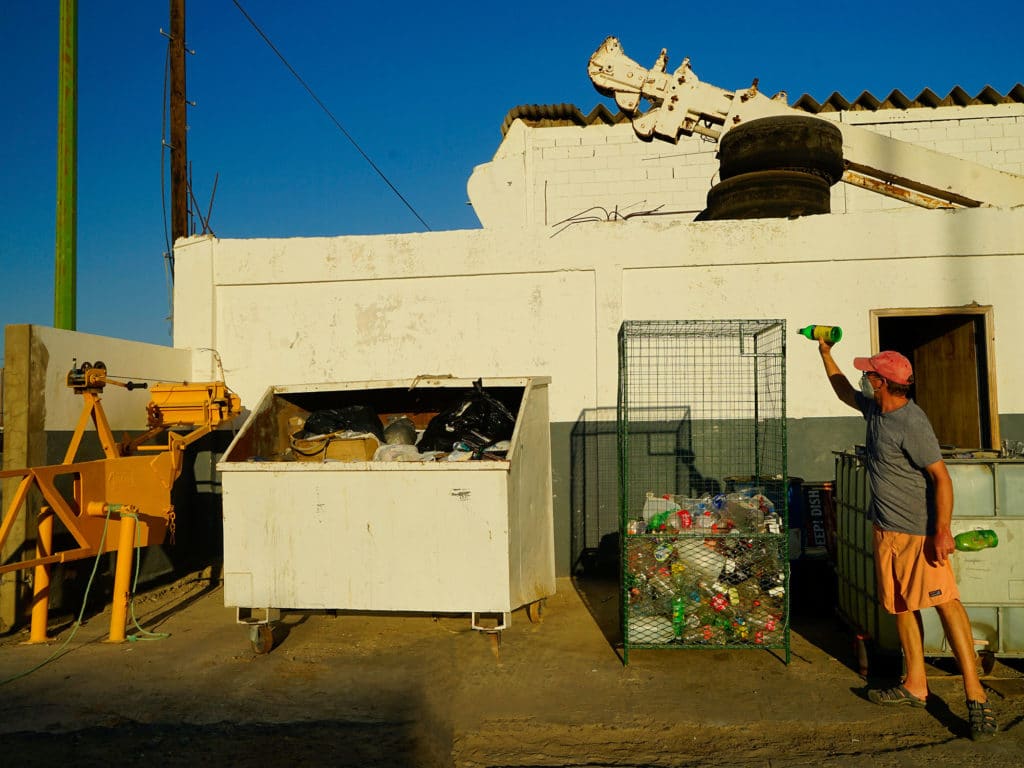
585 226
555 164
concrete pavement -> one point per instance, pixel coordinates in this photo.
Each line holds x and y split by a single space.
384 689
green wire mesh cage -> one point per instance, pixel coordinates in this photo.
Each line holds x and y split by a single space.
594 494
703 524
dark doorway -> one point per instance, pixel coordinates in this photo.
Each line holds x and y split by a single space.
952 353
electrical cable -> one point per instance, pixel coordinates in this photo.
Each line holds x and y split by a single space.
143 634
62 649
163 157
216 358
168 251
323 106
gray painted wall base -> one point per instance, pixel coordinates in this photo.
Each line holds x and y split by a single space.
585 469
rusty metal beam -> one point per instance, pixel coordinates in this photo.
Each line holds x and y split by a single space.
896 192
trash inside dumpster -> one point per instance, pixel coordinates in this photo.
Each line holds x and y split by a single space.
426 495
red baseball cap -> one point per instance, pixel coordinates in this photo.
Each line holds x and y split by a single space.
890 365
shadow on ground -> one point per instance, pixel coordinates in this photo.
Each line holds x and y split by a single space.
175 745
812 613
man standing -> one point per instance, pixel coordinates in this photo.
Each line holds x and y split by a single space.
911 508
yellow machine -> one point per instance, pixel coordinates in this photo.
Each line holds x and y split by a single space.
119 502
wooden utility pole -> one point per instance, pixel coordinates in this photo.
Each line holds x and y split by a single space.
179 147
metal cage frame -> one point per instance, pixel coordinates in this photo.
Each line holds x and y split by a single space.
703 507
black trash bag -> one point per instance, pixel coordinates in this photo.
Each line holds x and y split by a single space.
478 421
354 418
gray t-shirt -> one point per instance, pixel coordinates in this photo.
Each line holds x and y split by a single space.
900 444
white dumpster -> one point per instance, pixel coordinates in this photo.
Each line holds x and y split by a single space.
436 536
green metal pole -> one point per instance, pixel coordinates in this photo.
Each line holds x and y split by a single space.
67 162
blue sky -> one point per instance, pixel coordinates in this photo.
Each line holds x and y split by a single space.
422 87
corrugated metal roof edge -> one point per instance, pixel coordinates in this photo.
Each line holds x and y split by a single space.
570 114
561 114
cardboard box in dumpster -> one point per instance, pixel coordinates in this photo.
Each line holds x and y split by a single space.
333 448
420 536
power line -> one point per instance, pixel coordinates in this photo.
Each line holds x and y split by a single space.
328 113
163 157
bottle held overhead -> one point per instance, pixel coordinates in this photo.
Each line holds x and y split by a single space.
829 333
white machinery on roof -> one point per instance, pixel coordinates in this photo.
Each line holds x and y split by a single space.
682 105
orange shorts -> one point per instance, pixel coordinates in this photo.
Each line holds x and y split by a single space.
908 577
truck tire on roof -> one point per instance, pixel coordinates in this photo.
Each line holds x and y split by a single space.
788 142
767 195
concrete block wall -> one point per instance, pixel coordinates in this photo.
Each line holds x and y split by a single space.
605 171
988 135
558 176
518 302
574 174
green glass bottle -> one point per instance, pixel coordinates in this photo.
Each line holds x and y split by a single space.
830 333
678 616
972 541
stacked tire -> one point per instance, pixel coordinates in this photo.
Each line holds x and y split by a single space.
776 167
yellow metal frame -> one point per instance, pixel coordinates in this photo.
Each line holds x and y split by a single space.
127 493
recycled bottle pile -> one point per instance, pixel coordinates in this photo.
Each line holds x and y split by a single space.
706 572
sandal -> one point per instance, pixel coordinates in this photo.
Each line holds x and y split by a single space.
895 696
983 724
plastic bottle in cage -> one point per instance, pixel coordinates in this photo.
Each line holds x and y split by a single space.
678 615
636 527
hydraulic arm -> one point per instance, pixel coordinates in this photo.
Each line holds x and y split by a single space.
682 105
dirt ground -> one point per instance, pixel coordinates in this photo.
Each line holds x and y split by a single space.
418 690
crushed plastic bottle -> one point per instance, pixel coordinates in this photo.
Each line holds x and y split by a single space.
706 519
636 527
658 522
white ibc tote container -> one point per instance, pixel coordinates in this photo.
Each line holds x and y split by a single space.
988 493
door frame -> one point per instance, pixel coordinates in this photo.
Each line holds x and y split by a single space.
986 313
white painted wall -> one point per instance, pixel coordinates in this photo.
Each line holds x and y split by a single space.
522 303
52 355
541 176
526 296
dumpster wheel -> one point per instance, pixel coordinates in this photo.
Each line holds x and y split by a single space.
535 611
261 636
491 625
495 638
